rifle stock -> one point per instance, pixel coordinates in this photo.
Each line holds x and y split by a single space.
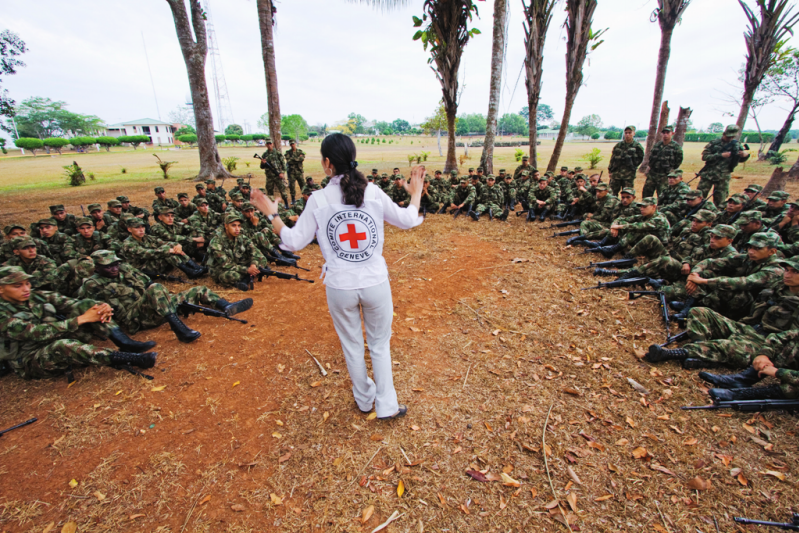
186 309
749 406
631 282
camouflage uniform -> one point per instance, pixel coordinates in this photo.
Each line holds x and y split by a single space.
229 258
624 162
294 160
385 184
67 225
429 200
509 194
151 253
671 194
183 213
548 195
718 169
272 179
60 247
399 194
260 233
637 227
159 205
464 195
44 273
663 159
599 223
7 252
492 198
133 210
524 166
109 217
205 226
183 234
774 215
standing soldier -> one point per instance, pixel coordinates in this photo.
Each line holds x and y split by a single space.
525 166
627 155
294 159
721 157
274 165
666 157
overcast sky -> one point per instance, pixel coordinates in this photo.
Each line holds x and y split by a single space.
335 57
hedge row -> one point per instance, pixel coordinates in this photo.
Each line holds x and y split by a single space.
499 144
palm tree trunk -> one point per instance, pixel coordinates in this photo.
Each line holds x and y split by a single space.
265 21
744 112
438 139
497 54
682 125
571 95
452 162
194 55
660 82
786 127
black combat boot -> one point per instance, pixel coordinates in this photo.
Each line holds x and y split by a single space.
141 360
656 284
543 215
181 330
773 392
504 216
605 272
682 316
243 286
290 255
657 354
233 308
679 306
692 363
126 344
475 216
191 272
456 213
442 210
632 273
579 239
741 380
608 251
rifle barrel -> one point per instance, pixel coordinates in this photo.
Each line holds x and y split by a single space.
12 428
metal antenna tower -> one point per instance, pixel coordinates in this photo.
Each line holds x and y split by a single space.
224 110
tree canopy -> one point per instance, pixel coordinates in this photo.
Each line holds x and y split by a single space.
42 118
469 124
589 125
294 126
436 122
234 129
513 124
11 46
543 115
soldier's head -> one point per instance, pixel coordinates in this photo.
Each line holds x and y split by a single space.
471 172
762 246
490 180
721 236
124 201
648 206
475 179
752 190
136 228
629 131
396 171
464 183
577 170
693 198
793 209
701 220
269 145
306 193
85 227
453 173
579 180
675 177
791 274
160 193
508 178
183 199
58 212
233 223
374 173
210 184
437 174
398 180
535 175
47 227
426 183
777 199
735 203
480 171
525 160
167 216
730 132
750 221
667 133
245 188
309 180
627 196
248 210
202 206
601 190
293 144
594 179
564 171
14 230
115 207
200 188
15 285
106 263
24 248
237 201
501 174
542 183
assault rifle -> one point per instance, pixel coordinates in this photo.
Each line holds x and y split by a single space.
735 149
12 428
186 309
630 282
82 211
163 277
284 261
565 224
792 526
268 272
616 263
749 406
266 164
664 309
564 233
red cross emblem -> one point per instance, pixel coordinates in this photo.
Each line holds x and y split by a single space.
353 236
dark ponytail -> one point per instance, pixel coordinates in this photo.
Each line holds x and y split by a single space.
340 150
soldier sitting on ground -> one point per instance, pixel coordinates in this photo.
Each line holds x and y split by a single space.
162 202
233 258
65 221
46 334
60 246
491 201
542 200
185 209
463 196
428 202
168 230
43 272
112 213
12 231
151 254
140 304
138 212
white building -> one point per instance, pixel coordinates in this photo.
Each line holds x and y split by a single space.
159 132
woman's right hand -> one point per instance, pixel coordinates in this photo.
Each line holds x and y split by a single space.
417 180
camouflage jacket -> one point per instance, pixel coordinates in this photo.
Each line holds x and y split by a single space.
547 195
278 161
656 225
737 273
294 159
178 232
43 271
86 247
226 254
625 159
136 211
183 213
464 195
566 188
772 217
620 212
298 206
687 242
677 213
717 166
110 218
777 308
214 201
68 226
219 191
665 158
158 205
139 253
605 207
61 247
700 254
205 225
385 185
492 195
121 293
673 194
7 253
741 241
399 194
518 172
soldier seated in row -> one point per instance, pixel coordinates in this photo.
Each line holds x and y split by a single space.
168 230
185 209
138 212
139 304
161 202
463 197
60 246
12 231
234 259
428 203
45 334
44 273
151 254
631 230
64 220
542 200
96 214
112 212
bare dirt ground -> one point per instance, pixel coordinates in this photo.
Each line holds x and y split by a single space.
239 431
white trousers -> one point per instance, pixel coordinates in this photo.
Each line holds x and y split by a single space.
378 312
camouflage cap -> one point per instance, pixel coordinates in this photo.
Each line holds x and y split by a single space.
580 177
792 262
549 173
268 140
542 178
507 177
437 172
526 158
490 177
578 169
82 221
480 169
704 215
427 179
94 207
471 169
159 190
123 199
778 196
667 129
56 208
182 195
463 180
201 201
233 216
374 170
114 203
454 172
12 274
628 190
239 181
601 187
502 171
47 222
643 202
134 223
525 172
210 181
245 185
199 186
166 211
307 190
631 128
675 174
247 206
383 175
795 203
105 257
731 130
753 188
724 231
18 243
236 196
562 169
11 227
764 240
693 194
749 216
292 141
737 199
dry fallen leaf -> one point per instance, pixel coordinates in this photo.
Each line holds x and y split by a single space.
158 389
637 386
477 476
205 500
778 475
603 498
415 428
69 527
367 514
237 507
99 495
573 475
73 483
509 481
552 504
236 383
49 527
502 502
631 422
742 480
400 488
276 435
275 499
572 499
285 457
371 416
377 437
640 452
698 483
690 442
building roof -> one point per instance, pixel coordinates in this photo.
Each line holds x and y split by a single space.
142 122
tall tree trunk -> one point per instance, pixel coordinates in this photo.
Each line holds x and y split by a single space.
452 162
793 174
497 55
538 15
194 55
744 111
682 125
784 130
564 130
438 139
660 83
265 21
776 182
663 121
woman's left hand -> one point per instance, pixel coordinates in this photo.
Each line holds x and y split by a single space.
417 180
262 202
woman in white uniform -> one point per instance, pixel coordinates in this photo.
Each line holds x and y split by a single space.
347 218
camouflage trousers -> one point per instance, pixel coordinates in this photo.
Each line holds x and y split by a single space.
227 277
660 264
429 206
622 180
511 199
654 184
720 186
496 210
593 230
295 177
273 182
162 264
727 303
645 244
722 340
156 302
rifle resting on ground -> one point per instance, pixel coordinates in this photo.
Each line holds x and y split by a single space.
749 406
793 525
12 428
186 309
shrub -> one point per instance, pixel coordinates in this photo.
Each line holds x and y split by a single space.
258 136
640 134
613 135
165 166
701 137
235 138
220 138
595 136
518 154
56 143
29 143
74 174
230 163
384 141
124 170
593 157
247 139
425 155
185 130
134 140
778 158
107 142
285 137
90 175
3 146
411 157
189 139
312 134
82 142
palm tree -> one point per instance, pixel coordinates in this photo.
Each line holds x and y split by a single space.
447 34
497 57
782 81
266 22
668 14
764 39
538 15
195 51
579 15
